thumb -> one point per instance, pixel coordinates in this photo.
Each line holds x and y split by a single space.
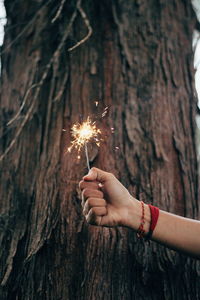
98 175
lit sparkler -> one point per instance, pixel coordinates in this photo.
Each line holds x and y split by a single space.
82 134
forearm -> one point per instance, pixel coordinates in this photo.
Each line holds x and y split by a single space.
176 232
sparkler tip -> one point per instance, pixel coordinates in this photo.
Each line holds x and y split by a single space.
83 133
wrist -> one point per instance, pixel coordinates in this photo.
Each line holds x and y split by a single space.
134 214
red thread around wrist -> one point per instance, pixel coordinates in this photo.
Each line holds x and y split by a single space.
141 231
154 219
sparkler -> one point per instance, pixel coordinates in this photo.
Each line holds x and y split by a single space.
82 134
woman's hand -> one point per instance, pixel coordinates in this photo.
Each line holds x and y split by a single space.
106 201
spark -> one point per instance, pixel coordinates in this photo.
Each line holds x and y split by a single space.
84 132
105 112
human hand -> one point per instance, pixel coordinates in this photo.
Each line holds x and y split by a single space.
106 201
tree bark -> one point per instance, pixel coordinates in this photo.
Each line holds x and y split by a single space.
138 62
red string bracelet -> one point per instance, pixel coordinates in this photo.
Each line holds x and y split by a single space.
154 219
141 231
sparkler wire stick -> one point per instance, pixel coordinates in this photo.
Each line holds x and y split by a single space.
87 157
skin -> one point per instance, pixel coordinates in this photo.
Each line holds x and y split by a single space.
106 202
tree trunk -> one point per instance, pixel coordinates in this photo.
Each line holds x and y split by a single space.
138 62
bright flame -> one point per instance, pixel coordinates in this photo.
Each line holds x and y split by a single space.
83 133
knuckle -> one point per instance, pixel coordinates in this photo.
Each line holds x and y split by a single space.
90 202
84 192
93 211
85 208
87 217
91 217
80 184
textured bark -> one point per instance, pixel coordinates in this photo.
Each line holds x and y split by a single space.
139 63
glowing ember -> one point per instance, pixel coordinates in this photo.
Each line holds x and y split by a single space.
104 112
83 133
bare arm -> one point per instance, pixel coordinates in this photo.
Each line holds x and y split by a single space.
112 205
178 233
173 231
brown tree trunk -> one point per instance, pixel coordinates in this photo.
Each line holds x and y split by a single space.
138 62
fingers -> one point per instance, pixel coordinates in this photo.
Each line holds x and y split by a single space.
95 215
98 175
90 185
94 209
91 193
94 206
93 203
